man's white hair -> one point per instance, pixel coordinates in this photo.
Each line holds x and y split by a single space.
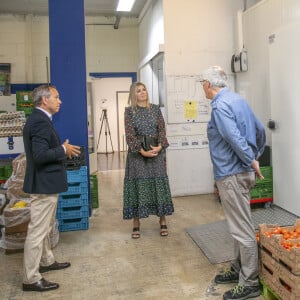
216 76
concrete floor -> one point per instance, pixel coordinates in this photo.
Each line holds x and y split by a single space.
107 264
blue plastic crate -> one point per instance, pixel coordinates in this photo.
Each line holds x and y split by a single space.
79 175
76 188
73 224
72 212
73 200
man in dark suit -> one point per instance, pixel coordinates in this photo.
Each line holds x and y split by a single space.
45 178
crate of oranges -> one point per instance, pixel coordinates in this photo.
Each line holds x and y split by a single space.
283 244
285 284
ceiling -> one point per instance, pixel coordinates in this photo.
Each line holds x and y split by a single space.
92 7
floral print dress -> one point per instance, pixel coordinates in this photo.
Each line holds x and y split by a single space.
146 184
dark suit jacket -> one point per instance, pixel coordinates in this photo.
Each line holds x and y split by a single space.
45 172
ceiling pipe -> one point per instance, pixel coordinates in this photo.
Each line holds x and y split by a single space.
117 22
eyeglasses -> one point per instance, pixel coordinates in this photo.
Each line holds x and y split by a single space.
202 81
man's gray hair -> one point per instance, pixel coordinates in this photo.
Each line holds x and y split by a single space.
40 92
216 76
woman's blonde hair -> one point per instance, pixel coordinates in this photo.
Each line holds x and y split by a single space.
132 98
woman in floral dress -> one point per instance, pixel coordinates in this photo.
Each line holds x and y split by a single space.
146 184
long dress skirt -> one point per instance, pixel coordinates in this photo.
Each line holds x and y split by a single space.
146 187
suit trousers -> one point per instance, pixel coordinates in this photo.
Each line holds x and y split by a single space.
234 192
37 248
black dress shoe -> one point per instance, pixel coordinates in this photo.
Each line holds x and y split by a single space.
55 266
40 286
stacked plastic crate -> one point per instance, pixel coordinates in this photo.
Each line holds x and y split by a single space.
94 190
263 189
5 169
24 102
73 205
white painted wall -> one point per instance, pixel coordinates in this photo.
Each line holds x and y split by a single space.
112 50
259 22
196 34
151 32
25 44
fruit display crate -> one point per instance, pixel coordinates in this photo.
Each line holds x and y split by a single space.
272 241
284 283
72 212
71 200
73 224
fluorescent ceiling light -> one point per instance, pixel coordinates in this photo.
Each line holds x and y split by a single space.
125 5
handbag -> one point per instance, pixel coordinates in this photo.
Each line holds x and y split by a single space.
149 140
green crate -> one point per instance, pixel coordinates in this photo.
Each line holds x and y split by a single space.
3 77
5 172
8 171
267 172
2 172
27 109
94 190
23 96
262 191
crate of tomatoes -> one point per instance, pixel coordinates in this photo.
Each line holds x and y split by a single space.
284 283
283 244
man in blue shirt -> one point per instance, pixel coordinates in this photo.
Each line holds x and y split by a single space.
236 141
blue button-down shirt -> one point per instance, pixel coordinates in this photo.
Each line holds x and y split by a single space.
236 137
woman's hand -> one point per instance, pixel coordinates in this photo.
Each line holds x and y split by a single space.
156 149
149 153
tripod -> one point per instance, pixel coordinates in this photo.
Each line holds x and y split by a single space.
104 120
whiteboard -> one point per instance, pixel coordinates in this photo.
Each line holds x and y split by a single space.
187 136
186 100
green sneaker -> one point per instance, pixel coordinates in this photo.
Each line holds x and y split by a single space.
227 276
241 292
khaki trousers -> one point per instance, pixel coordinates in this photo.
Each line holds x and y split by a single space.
235 198
37 248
